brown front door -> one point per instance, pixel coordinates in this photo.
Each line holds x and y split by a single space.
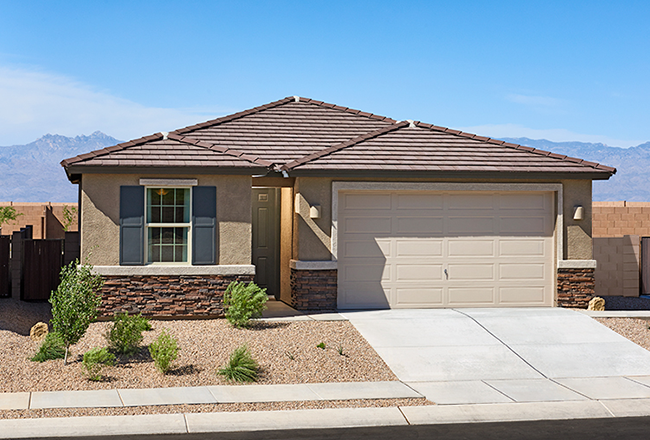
266 239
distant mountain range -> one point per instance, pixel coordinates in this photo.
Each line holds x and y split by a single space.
31 173
632 179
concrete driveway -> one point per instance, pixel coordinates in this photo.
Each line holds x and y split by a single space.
505 355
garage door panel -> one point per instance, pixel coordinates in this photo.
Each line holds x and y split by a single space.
532 295
515 271
366 249
464 296
366 272
367 201
467 225
418 272
497 249
533 225
522 248
365 225
473 201
418 248
419 201
420 225
526 201
471 248
420 296
472 272
360 295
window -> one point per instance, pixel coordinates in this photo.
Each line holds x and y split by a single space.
168 225
162 223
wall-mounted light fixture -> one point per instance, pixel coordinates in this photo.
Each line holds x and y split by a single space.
578 213
314 211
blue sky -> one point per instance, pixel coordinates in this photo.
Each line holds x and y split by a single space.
560 70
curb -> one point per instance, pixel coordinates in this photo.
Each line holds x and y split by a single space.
318 418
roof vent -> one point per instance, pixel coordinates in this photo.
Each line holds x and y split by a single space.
411 123
296 98
164 133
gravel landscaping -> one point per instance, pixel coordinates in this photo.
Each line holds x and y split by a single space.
286 351
634 329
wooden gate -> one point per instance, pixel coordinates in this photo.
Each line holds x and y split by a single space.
5 272
42 260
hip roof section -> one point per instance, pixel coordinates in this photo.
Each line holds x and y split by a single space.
300 134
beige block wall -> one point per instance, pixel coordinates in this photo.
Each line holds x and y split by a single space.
615 219
100 205
617 272
46 219
312 237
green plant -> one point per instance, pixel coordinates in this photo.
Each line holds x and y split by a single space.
243 302
290 355
125 334
340 350
69 216
164 351
94 361
75 303
7 214
321 346
241 366
52 347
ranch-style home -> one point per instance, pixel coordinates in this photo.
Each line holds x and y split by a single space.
329 207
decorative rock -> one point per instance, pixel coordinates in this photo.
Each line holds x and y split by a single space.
597 304
38 332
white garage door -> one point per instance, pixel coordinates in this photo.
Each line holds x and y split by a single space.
411 249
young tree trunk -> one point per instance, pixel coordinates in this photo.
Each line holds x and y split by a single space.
65 358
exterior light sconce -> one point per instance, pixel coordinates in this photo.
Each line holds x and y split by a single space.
314 211
578 213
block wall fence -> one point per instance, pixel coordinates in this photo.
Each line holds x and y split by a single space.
46 219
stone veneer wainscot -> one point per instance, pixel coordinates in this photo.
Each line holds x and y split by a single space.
185 292
575 283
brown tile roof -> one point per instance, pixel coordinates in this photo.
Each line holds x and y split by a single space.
424 147
301 134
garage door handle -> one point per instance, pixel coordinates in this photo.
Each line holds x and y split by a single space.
446 275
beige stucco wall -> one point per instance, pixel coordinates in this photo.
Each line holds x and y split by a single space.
100 205
286 242
312 236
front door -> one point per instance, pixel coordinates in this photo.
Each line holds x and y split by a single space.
266 239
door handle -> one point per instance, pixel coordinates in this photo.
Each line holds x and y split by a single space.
446 275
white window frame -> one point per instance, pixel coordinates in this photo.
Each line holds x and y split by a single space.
147 225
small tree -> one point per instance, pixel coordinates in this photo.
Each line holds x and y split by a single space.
69 216
8 214
75 303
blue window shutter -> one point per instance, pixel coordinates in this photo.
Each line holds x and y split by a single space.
204 225
132 225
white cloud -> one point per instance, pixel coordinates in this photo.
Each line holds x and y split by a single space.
35 103
499 131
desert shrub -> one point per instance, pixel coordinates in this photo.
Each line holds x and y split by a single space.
164 351
94 361
125 335
243 302
241 366
52 347
75 303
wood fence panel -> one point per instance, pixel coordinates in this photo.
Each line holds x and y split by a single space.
42 260
5 272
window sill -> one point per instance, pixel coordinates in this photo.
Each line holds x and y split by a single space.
225 269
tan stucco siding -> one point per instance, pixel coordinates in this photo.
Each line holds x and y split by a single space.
312 236
286 245
100 205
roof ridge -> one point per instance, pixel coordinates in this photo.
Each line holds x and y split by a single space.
233 116
516 146
338 147
106 150
344 109
214 147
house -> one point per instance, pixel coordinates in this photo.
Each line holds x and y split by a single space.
329 207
